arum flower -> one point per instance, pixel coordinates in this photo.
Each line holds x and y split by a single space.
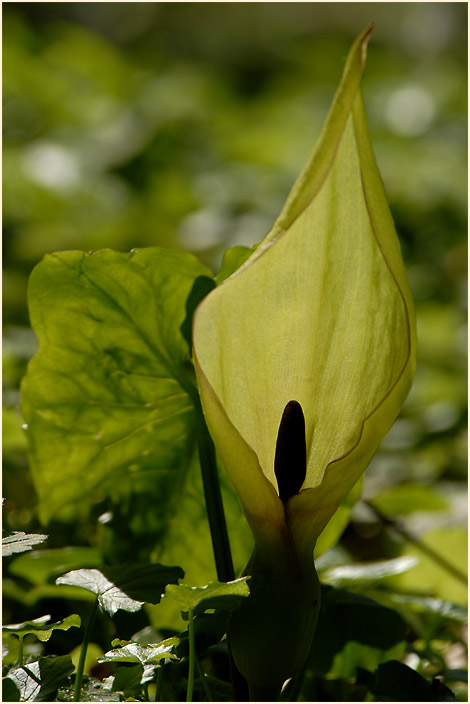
304 357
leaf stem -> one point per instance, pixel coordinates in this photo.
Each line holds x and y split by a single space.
439 559
83 651
213 498
20 650
217 526
192 657
158 690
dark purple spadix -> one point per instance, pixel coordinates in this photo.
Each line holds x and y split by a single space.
290 462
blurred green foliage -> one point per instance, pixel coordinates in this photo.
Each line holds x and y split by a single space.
184 125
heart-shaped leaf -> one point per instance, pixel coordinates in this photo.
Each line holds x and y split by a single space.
106 397
110 597
38 681
118 587
128 651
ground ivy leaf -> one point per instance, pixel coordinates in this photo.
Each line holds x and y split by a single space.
125 587
130 651
110 597
143 582
106 395
16 541
225 596
40 628
39 681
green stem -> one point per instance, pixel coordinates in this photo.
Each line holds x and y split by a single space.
20 651
158 690
203 678
192 657
426 549
213 498
83 651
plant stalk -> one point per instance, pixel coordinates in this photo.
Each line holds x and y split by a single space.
213 497
20 651
83 651
414 540
218 527
192 657
158 689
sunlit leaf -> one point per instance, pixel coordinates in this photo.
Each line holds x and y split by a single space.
110 597
125 587
16 541
429 605
129 651
368 572
39 680
107 395
216 595
40 627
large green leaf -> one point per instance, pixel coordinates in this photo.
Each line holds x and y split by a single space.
110 597
321 313
106 396
225 596
344 639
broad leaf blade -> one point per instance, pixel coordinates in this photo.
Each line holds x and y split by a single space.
38 681
110 597
124 587
225 596
143 582
344 639
106 396
145 654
